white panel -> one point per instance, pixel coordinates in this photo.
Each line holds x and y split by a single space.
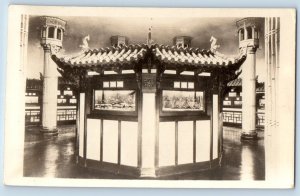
110 141
166 144
81 123
176 84
169 72
127 71
215 126
92 73
190 73
185 142
113 84
93 139
148 130
105 84
120 84
183 85
129 143
109 72
202 140
153 70
204 74
31 99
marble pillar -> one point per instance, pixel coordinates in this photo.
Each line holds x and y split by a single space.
50 84
249 93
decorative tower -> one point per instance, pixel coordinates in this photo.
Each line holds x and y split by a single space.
118 41
182 41
248 44
52 30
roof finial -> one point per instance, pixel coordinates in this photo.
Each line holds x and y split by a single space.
85 45
213 46
149 38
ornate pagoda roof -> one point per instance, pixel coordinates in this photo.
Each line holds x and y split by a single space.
260 86
235 83
105 56
134 54
191 56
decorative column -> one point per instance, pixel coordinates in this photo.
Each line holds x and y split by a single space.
271 115
24 44
22 64
148 125
51 44
248 44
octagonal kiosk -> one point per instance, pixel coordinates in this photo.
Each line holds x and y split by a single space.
149 110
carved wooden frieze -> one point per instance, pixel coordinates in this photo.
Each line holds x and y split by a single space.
53 21
149 83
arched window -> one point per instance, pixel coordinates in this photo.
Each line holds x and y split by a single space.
249 33
51 32
255 33
242 35
59 34
44 32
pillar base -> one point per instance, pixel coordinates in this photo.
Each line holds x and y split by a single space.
252 135
47 131
148 173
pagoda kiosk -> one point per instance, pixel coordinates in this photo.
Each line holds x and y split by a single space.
150 110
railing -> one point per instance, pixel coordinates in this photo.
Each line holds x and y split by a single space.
230 117
234 118
64 115
32 116
260 119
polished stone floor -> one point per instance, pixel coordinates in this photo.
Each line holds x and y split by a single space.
46 156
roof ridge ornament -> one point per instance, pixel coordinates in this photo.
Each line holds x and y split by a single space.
56 50
85 45
150 41
213 46
244 50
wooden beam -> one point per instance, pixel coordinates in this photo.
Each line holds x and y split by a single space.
119 142
77 125
101 141
157 105
194 141
176 142
87 110
85 133
160 70
211 135
139 108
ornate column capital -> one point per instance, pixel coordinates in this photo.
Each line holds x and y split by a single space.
46 47
251 49
52 48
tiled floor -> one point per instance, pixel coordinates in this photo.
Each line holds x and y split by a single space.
54 157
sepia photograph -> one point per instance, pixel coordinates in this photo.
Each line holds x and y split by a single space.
150 97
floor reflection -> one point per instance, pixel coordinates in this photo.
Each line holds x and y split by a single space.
247 164
54 157
245 157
